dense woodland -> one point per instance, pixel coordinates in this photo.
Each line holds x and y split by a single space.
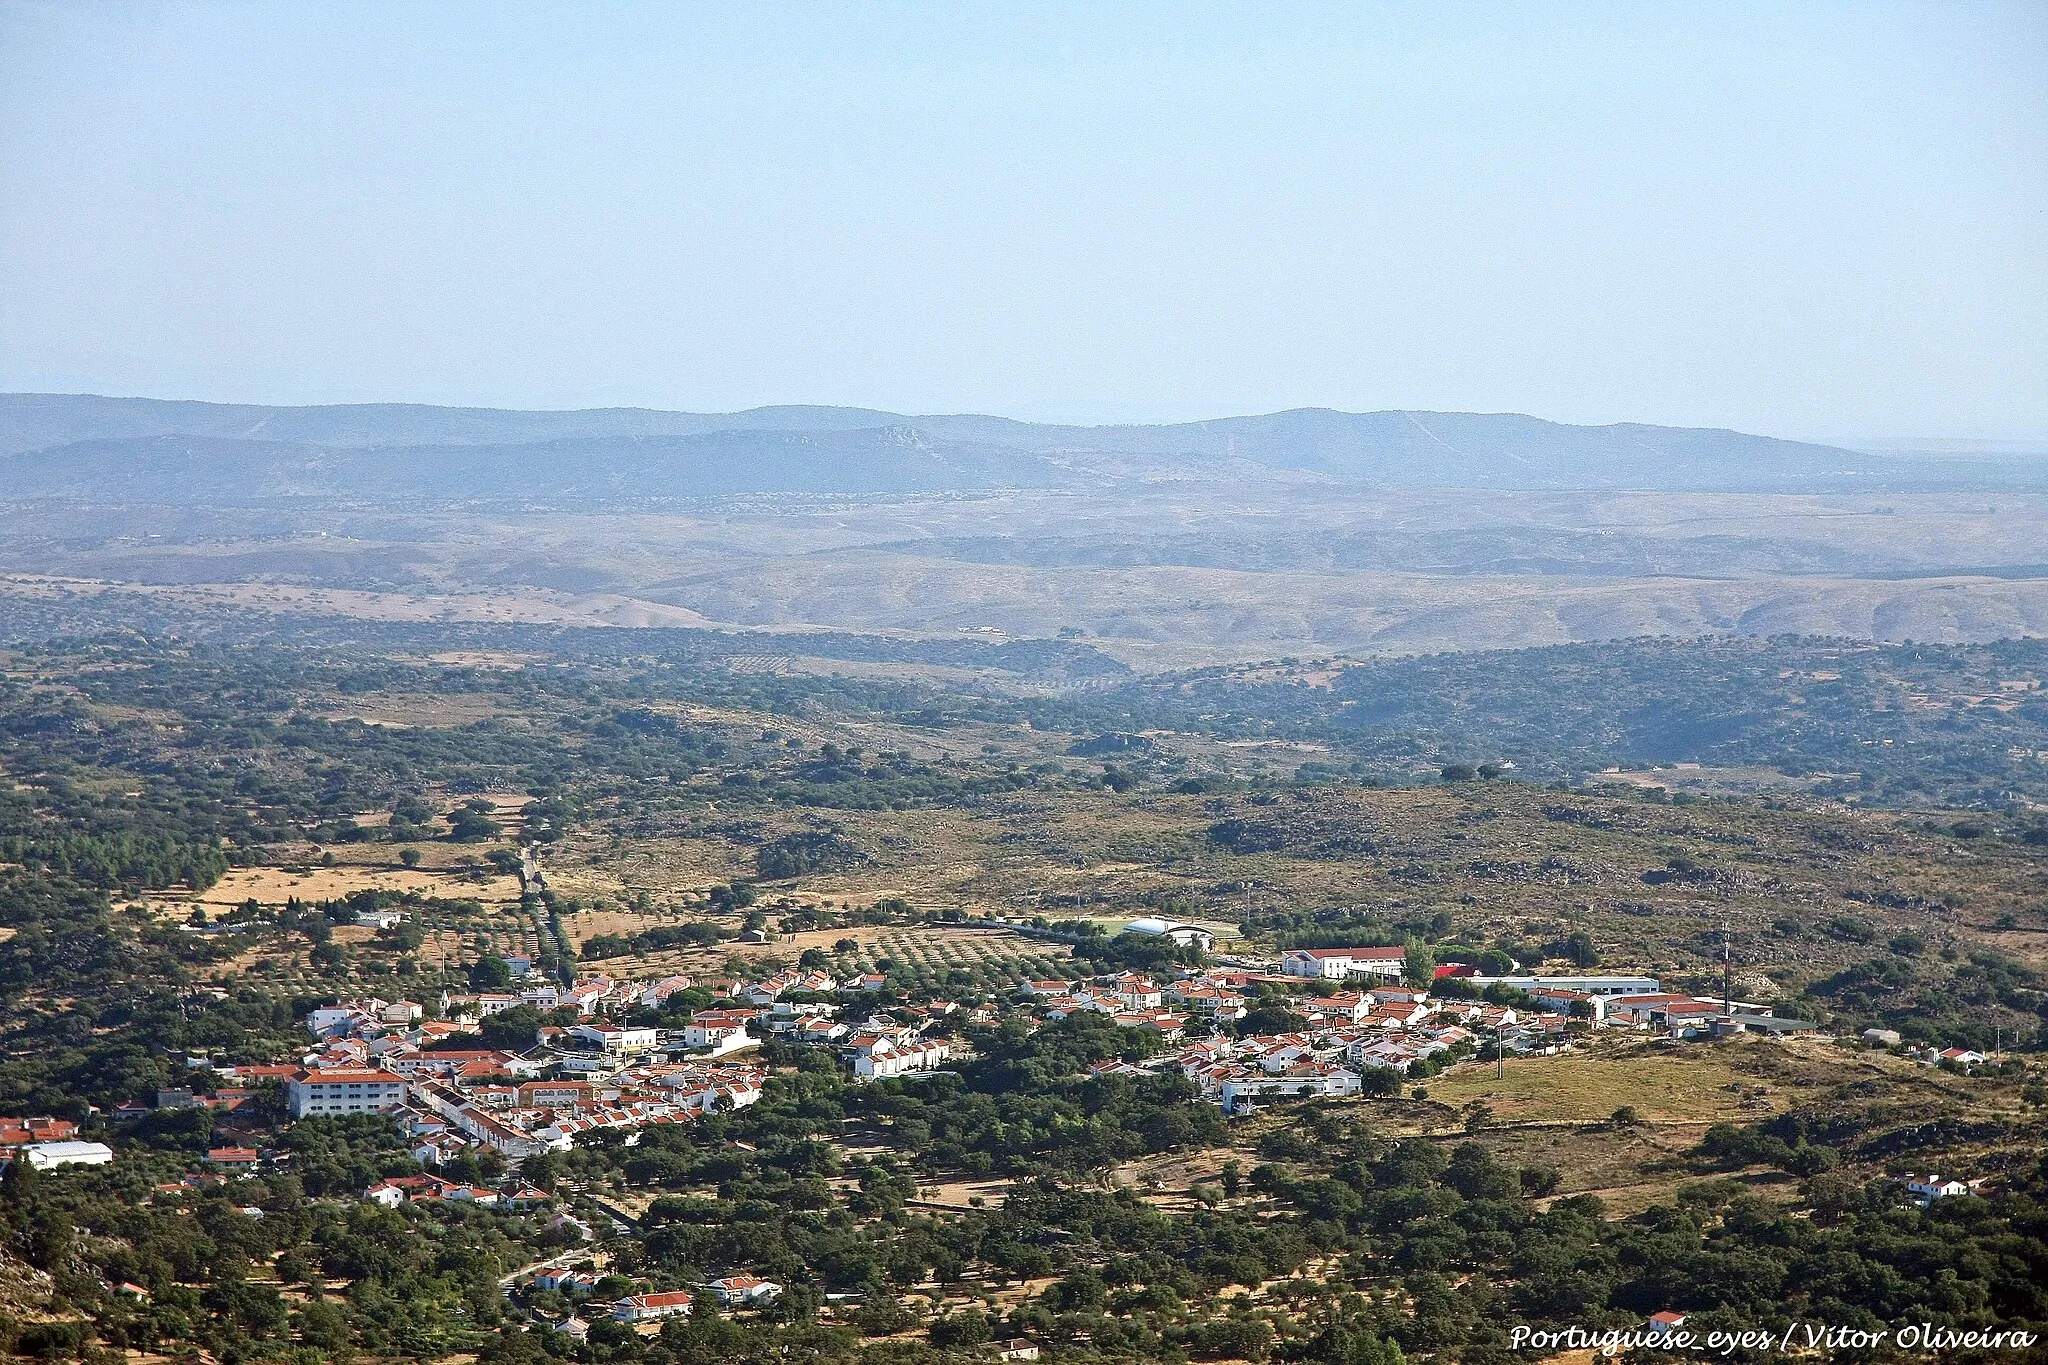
1893 724
1385 1236
1906 725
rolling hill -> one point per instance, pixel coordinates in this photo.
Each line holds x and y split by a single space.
55 445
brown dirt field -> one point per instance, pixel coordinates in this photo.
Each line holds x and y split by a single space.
959 1194
407 710
2029 946
587 869
1662 1084
508 800
589 924
1609 1163
275 885
1176 1174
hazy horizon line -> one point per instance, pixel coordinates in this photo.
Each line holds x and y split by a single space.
1871 443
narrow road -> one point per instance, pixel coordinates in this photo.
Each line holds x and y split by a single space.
561 1257
580 1189
615 1213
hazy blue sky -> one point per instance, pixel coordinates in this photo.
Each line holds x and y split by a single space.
1819 220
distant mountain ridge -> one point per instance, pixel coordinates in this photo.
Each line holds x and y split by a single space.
66 446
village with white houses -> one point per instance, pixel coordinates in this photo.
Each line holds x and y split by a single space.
1361 1026
1357 1025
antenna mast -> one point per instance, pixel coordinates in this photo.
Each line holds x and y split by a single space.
1727 976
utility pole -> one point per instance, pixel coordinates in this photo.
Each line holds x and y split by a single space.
1500 1053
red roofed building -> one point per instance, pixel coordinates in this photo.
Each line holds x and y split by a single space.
647 1307
15 1132
233 1158
343 1091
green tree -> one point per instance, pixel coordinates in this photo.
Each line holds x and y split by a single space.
324 1326
968 1327
514 1030
1578 949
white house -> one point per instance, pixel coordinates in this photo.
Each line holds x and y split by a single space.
1567 1001
586 996
565 1280
1335 964
821 1031
328 1020
1138 993
1352 1006
717 1029
1925 1189
1665 1322
655 994
882 1058
619 1039
499 1136
744 1290
647 1307
1209 1000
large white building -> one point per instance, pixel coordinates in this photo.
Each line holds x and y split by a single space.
1185 935
616 1038
316 1094
43 1155
1240 1090
1336 964
1591 985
